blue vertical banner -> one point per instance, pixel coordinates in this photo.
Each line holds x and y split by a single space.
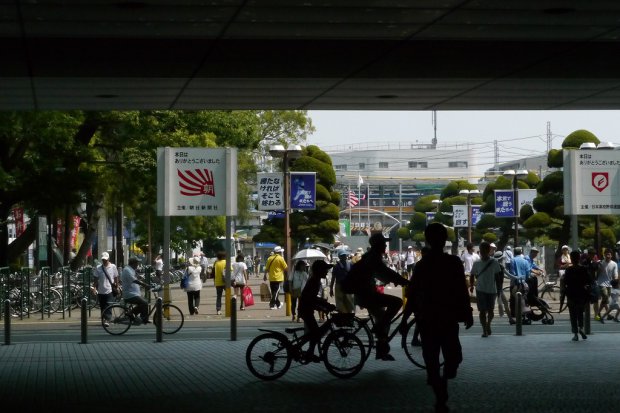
504 203
476 214
430 216
303 190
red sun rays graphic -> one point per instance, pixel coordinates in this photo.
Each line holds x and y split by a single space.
196 182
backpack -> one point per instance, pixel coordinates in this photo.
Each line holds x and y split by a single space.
348 284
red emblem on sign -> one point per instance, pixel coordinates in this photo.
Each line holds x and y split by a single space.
196 182
600 180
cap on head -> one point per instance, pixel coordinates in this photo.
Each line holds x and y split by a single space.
508 248
105 256
377 240
278 249
319 266
492 245
534 249
498 255
410 247
564 247
196 260
133 261
342 252
360 249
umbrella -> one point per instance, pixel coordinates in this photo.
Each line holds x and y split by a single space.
309 253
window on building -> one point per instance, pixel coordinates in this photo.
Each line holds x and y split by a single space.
414 164
383 165
457 164
342 167
362 165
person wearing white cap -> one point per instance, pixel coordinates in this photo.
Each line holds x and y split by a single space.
410 260
106 276
275 270
564 261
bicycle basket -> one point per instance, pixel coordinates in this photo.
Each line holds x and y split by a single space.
343 319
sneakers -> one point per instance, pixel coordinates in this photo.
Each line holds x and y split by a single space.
597 318
196 310
273 307
583 335
279 306
219 312
575 337
106 324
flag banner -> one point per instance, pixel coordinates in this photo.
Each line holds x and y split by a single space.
360 181
430 216
352 199
303 190
476 214
18 216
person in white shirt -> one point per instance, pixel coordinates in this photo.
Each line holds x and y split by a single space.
469 257
410 260
105 276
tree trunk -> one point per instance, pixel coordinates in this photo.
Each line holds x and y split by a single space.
92 218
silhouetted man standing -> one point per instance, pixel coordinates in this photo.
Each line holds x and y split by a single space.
438 296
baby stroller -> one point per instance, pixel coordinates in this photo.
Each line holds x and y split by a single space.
540 309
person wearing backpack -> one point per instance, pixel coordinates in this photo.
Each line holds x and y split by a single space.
344 301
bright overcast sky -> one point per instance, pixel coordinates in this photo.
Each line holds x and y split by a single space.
519 133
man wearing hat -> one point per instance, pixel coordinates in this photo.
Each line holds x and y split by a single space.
358 255
275 270
344 302
383 307
106 276
531 259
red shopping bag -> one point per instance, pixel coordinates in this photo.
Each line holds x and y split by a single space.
248 296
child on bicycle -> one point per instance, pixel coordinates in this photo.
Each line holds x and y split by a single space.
310 301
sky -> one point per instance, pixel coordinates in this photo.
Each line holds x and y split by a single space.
519 133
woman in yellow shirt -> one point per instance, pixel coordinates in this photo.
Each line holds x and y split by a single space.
219 269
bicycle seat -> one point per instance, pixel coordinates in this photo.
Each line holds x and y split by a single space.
292 330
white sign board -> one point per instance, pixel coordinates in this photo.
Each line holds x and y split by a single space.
270 190
460 216
591 182
196 181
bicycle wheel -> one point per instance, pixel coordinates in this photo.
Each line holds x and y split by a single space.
173 319
361 330
412 345
343 354
118 320
268 356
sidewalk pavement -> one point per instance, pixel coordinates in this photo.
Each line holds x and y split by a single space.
502 373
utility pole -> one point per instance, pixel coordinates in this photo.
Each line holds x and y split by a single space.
549 136
495 154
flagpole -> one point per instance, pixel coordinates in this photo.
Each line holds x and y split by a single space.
359 196
368 205
349 205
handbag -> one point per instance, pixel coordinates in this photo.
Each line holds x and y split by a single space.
115 291
265 292
184 280
248 296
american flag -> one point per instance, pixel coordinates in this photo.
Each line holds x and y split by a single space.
352 199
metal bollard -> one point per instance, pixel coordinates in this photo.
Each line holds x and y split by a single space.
158 320
519 315
233 318
84 322
7 322
586 319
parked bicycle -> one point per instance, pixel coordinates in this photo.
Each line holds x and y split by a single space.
122 316
269 356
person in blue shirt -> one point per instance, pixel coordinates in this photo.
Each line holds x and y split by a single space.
521 270
530 259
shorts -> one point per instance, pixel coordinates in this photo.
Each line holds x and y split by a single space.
485 301
604 294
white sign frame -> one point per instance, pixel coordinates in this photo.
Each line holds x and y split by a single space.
592 182
196 181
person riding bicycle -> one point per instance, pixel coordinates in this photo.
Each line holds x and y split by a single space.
311 301
131 290
382 307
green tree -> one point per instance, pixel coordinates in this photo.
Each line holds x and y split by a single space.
317 225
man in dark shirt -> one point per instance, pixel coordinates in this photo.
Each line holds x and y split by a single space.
382 307
438 296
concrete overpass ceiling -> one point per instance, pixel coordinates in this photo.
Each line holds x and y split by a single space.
306 54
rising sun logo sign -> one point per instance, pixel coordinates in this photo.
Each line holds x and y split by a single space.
196 182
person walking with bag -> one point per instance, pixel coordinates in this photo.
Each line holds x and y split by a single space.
484 275
275 270
194 285
106 280
239 278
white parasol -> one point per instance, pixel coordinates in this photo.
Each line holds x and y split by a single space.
309 253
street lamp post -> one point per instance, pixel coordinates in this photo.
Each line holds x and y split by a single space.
515 175
469 194
287 155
